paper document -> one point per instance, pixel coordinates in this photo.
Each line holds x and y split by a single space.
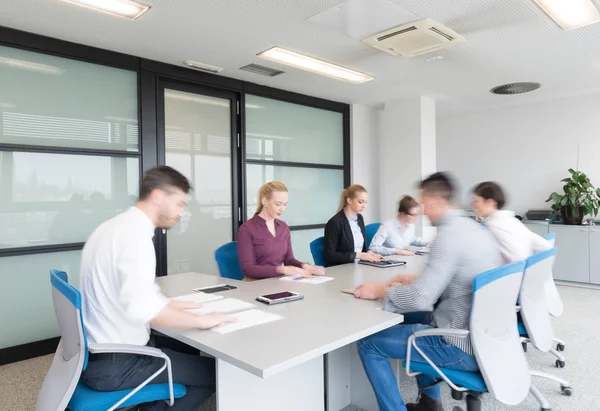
225 305
199 297
306 280
247 319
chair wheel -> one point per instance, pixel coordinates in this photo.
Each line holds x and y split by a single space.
560 364
524 344
567 391
458 395
457 409
560 347
546 409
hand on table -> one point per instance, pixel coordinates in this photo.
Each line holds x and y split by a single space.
207 321
369 291
369 256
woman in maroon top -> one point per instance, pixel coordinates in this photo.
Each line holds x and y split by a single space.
264 241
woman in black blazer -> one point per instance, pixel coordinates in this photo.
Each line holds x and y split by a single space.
345 236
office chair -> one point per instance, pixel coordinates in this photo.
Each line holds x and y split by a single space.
535 326
62 389
317 249
371 230
503 369
228 261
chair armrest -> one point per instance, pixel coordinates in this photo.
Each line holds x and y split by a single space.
125 349
429 333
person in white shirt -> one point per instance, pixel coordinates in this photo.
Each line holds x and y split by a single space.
515 241
121 299
396 234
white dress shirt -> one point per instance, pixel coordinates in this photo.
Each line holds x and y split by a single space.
515 241
357 235
391 236
120 297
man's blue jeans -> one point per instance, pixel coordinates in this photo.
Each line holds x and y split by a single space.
375 350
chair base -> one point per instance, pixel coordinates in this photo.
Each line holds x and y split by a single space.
565 386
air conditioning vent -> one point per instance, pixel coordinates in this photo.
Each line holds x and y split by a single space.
415 38
262 70
515 88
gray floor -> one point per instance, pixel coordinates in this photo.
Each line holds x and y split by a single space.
579 327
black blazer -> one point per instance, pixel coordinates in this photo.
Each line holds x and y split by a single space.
339 242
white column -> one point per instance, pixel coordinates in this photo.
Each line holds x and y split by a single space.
407 148
364 143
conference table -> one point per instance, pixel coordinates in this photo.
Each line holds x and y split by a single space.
305 361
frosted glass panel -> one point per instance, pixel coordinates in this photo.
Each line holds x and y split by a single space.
198 144
52 101
27 296
61 198
276 130
313 193
301 243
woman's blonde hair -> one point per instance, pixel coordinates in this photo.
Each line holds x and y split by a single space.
267 190
350 193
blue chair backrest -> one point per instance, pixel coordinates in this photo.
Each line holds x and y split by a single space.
317 249
229 262
60 283
371 230
71 355
494 334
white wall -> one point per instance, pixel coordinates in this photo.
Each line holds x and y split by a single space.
527 149
364 142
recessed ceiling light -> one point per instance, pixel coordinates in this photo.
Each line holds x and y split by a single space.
571 14
122 8
314 65
202 67
432 59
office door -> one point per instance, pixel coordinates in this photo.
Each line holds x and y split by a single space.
200 141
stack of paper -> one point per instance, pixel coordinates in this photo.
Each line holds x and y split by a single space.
247 319
306 280
225 305
198 297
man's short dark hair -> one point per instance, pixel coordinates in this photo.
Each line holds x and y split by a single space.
163 178
438 184
489 190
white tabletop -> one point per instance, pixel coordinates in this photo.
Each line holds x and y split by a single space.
326 319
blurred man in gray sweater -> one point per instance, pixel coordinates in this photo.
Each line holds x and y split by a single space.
461 250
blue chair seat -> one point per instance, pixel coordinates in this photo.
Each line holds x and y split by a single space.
86 399
470 380
522 330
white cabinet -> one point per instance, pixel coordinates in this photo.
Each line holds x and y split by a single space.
538 228
595 255
573 258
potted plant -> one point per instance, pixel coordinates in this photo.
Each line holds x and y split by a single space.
580 198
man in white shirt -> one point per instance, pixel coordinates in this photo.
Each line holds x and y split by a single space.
121 299
515 241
